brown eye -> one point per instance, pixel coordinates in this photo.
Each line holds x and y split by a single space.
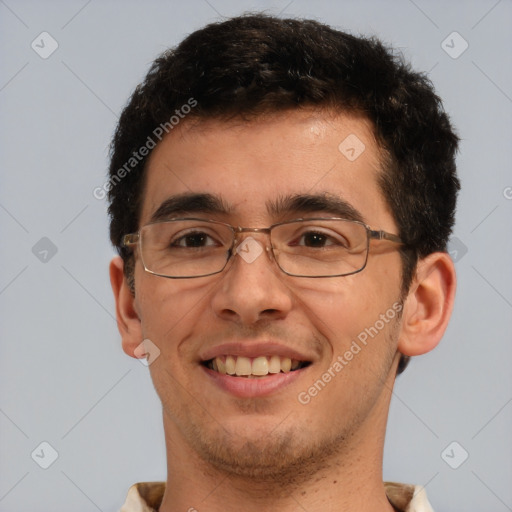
319 239
315 239
194 240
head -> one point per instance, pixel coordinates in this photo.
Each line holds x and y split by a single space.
214 104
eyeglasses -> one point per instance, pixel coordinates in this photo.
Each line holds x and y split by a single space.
316 247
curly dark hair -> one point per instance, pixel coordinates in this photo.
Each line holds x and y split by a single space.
257 64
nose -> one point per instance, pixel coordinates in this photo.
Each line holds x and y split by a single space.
252 287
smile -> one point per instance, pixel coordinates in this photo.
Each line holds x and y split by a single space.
254 367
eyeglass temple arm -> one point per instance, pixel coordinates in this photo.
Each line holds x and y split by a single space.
131 239
383 235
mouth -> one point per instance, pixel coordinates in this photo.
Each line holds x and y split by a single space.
253 367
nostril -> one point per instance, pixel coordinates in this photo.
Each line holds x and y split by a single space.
229 313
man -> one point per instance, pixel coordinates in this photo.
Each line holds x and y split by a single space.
281 196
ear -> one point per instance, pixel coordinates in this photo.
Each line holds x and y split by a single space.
128 321
428 306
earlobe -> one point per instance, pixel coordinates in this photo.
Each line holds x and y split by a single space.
428 306
128 321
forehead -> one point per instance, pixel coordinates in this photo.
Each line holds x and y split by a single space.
251 165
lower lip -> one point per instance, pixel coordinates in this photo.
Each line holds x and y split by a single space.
244 387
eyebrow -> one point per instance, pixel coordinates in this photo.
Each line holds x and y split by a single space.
297 204
312 203
189 203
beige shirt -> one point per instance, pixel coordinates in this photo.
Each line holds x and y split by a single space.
147 496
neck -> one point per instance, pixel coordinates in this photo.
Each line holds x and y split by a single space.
349 478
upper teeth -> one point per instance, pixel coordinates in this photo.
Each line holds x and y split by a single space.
245 366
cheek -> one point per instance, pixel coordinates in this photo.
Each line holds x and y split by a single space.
342 308
168 307
344 392
170 310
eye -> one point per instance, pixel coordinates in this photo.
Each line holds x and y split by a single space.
315 239
319 239
194 240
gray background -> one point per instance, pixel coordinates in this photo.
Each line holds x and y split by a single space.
64 377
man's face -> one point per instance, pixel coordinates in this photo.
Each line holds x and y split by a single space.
252 309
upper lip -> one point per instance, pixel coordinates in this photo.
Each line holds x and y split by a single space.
253 349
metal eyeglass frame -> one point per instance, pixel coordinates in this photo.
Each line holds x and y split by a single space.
131 239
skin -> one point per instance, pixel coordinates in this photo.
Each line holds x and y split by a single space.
227 453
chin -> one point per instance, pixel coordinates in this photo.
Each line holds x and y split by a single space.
270 457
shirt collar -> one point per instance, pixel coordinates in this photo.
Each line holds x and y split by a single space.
147 496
